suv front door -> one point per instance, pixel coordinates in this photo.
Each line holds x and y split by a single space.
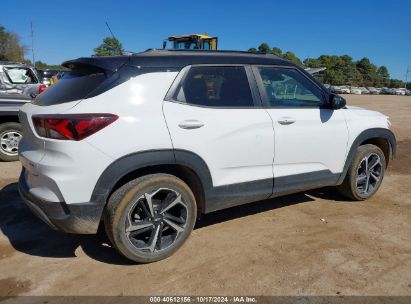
310 139
212 113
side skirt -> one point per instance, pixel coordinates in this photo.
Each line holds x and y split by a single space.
223 197
299 182
232 195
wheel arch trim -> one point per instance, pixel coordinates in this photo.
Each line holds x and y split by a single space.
364 136
140 160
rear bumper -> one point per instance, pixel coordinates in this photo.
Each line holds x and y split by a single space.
81 218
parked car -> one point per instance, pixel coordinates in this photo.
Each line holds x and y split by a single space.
146 143
340 89
345 89
355 90
374 91
18 82
364 90
400 91
335 89
388 91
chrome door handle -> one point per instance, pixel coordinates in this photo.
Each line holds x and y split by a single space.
191 124
286 120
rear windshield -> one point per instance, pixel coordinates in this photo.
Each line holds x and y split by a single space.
74 85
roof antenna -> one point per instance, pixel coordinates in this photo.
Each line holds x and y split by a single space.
112 35
110 30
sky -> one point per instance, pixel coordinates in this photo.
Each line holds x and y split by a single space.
379 30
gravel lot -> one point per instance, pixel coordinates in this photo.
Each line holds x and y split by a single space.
274 247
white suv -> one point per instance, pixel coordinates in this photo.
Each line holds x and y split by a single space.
146 143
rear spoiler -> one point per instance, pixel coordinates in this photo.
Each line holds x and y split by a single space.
112 63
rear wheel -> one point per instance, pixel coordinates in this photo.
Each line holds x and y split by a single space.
150 218
365 174
10 136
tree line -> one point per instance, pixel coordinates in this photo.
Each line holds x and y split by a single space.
340 70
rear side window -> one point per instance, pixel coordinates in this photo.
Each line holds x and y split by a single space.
74 85
216 87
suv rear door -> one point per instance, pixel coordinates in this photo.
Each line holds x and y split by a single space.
310 139
213 112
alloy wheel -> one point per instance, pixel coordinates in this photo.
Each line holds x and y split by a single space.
156 220
369 174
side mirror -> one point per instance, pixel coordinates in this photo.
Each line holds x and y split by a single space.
336 101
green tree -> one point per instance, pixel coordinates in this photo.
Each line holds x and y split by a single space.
264 48
333 73
254 50
349 71
383 76
110 47
44 66
368 72
312 63
277 51
291 56
10 47
396 83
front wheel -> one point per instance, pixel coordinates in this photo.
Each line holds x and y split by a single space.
10 136
365 174
150 218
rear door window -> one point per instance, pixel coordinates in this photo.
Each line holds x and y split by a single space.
214 86
74 85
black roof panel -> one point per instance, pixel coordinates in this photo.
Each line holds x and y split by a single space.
179 59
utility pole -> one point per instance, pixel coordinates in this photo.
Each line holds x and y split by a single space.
406 76
32 43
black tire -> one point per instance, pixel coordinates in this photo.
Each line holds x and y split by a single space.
349 187
130 198
6 129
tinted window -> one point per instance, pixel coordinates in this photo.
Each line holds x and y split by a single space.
74 85
216 87
288 87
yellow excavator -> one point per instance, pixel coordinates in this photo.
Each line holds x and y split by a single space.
191 42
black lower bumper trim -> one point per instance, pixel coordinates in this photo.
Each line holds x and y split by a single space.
81 218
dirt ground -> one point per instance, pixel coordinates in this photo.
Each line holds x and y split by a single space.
274 247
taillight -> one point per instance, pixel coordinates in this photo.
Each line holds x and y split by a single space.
42 88
71 126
